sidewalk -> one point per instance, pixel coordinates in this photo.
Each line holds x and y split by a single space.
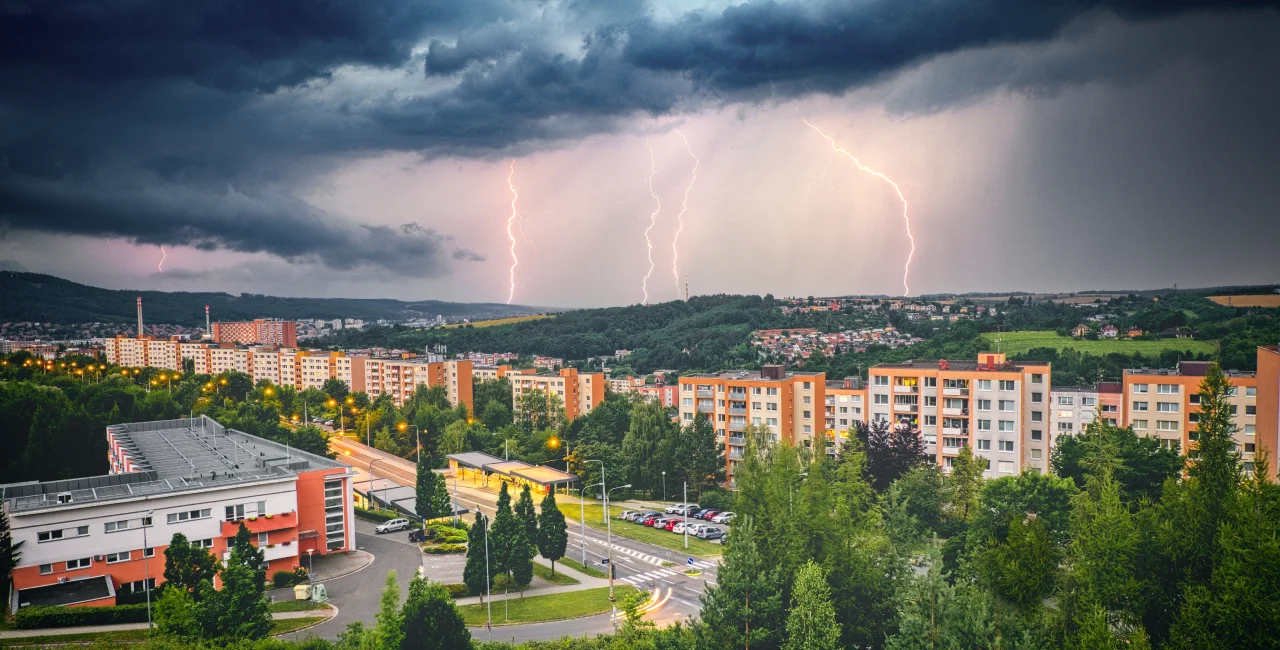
97 629
544 588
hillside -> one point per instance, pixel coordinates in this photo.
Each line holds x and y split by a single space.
45 298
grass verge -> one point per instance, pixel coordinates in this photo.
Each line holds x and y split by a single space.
285 626
552 607
295 606
1020 342
544 572
663 538
577 566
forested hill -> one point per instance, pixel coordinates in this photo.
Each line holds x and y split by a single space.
45 298
714 331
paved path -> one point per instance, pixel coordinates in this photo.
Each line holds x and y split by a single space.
97 629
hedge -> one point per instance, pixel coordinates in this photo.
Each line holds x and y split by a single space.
41 616
458 591
377 516
444 549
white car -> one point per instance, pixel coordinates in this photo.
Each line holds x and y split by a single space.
723 518
672 508
391 526
679 528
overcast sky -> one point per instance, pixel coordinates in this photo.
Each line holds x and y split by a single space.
341 148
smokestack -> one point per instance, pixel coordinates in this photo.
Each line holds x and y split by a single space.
139 316
207 329
686 287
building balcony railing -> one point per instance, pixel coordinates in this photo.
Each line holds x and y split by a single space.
706 408
737 426
955 392
737 440
898 388
705 393
261 524
735 455
906 408
737 411
954 432
946 410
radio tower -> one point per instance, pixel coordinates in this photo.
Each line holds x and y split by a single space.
686 287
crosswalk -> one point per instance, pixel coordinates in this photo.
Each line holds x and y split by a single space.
648 576
703 565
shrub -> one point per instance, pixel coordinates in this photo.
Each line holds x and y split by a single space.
376 516
455 540
717 499
458 591
34 617
282 579
443 549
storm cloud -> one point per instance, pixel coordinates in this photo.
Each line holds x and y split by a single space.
202 123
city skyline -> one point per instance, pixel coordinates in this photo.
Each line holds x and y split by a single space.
1065 148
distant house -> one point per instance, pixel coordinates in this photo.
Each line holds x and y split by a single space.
1080 331
1134 333
1109 332
1176 333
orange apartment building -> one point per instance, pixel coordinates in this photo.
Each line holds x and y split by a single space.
1267 422
260 331
996 407
579 391
789 403
89 541
494 373
401 377
1165 403
846 404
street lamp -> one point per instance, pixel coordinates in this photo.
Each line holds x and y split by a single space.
310 566
582 492
664 485
609 536
146 566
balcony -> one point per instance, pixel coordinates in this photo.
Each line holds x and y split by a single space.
706 408
737 440
737 426
735 455
906 408
955 392
898 388
955 433
704 393
261 524
946 410
737 411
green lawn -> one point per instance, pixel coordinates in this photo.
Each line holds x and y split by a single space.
552 607
114 638
577 566
1020 342
544 572
295 606
290 624
663 538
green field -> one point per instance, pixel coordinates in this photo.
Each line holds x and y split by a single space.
557 578
552 607
665 539
1020 342
122 637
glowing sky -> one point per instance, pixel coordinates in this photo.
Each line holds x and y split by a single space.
282 148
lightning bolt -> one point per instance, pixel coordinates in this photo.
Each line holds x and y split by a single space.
511 293
163 255
809 188
906 269
675 241
653 220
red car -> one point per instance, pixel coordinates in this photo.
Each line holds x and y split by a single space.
706 516
652 522
670 523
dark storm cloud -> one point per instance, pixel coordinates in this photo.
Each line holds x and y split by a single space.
136 118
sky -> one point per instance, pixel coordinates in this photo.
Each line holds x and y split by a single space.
369 149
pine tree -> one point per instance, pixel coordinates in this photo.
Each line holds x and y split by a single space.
744 609
704 463
430 620
432 494
240 604
811 623
387 630
11 554
504 534
527 515
522 552
553 534
477 572
966 483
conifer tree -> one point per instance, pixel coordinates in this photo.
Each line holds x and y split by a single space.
387 629
432 493
504 534
744 609
527 515
811 623
553 534
478 571
430 620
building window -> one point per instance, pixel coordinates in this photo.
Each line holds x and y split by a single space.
149 551
1006 425
1166 425
1065 400
984 384
930 400
1006 445
1167 407
1036 434
1065 426
46 569
1140 425
1250 391
1250 410
984 405
881 380
1007 384
1036 398
48 535
1140 388
808 385
1037 416
1248 429
931 382
81 563
930 420
124 556
1088 401
984 425
113 526
1167 389
881 399
984 445
1006 405
175 517
1140 406
1035 454
1005 466
1037 378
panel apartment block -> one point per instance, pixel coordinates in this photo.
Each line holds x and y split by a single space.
579 391
1165 404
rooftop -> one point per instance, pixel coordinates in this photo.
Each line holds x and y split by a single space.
1188 369
749 375
172 456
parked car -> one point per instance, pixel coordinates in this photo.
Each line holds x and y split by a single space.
670 524
723 518
416 536
651 513
391 526
626 514
672 508
634 515
679 527
653 522
688 509
706 515
698 514
725 539
710 532
648 520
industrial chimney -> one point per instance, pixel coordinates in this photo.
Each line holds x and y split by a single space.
207 329
139 316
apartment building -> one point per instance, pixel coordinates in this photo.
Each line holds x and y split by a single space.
129 351
846 405
259 331
996 407
401 377
494 373
579 391
1165 403
1267 421
1072 409
787 402
87 541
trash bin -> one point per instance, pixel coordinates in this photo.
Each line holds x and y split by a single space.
301 592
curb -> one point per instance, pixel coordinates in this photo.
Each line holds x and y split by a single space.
372 558
327 619
554 620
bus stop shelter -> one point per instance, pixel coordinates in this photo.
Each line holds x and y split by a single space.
477 468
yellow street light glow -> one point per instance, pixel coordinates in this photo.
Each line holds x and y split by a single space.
351 400
402 426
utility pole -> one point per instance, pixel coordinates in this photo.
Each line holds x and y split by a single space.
686 515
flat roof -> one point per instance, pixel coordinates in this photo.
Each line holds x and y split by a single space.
750 375
70 592
474 459
172 456
539 474
543 475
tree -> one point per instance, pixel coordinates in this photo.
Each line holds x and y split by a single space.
241 606
387 630
175 614
1023 567
527 515
308 438
553 534
502 536
703 458
335 388
186 566
496 414
1142 464
432 494
965 483
641 447
744 609
811 623
1100 577
522 552
891 451
478 571
430 620
11 554
922 490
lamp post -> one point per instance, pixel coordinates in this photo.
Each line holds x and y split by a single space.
488 588
310 566
602 485
686 515
371 462
146 566
582 492
664 485
609 536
